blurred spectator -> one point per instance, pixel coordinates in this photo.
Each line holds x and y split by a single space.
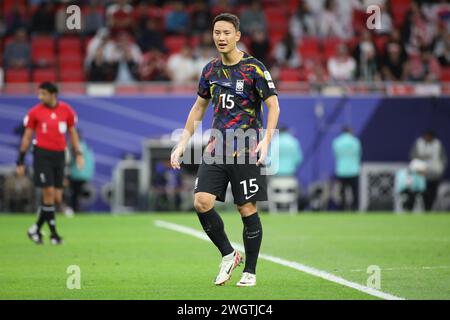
99 69
330 24
424 67
2 76
166 185
290 155
125 57
119 17
410 184
219 6
252 18
442 48
14 19
366 58
303 22
101 39
153 66
260 47
18 193
393 64
385 19
201 17
343 66
204 52
177 21
151 38
395 40
347 152
315 72
80 177
2 26
430 149
417 31
93 18
17 53
43 19
286 54
181 66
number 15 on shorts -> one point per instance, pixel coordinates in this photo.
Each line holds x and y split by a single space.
249 186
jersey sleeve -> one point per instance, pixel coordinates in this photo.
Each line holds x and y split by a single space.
263 82
72 118
203 84
30 120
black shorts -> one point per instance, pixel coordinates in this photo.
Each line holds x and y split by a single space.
247 182
48 167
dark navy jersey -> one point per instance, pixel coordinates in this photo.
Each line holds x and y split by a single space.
237 92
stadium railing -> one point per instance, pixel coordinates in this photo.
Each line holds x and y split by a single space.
303 88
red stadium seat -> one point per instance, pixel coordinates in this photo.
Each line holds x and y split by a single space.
17 75
69 45
289 75
174 43
445 75
330 45
70 59
46 74
309 49
72 75
9 4
43 50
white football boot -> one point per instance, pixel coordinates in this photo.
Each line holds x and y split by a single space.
247 280
228 264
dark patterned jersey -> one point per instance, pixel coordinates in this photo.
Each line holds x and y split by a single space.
237 92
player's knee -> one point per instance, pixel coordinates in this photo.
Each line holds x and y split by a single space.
48 195
247 209
203 204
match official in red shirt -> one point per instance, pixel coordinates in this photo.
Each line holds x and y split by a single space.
51 120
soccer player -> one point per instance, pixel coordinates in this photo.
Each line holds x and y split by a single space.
237 83
51 119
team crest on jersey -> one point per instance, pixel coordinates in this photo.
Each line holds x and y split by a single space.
240 86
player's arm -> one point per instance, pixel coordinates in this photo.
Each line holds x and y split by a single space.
272 121
75 140
195 116
24 145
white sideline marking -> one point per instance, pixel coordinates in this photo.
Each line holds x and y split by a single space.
291 264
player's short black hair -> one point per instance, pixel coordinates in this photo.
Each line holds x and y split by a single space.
229 17
49 86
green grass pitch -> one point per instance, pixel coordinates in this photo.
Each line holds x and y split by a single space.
128 257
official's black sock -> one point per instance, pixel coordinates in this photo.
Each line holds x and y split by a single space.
213 225
48 211
41 219
252 236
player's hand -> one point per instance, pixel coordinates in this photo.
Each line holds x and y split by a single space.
80 162
262 148
175 157
20 170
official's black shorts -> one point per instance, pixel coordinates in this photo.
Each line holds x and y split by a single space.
48 168
247 182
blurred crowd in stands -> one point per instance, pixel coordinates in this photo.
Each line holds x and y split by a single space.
125 41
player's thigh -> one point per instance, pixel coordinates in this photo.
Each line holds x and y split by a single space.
212 179
247 183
